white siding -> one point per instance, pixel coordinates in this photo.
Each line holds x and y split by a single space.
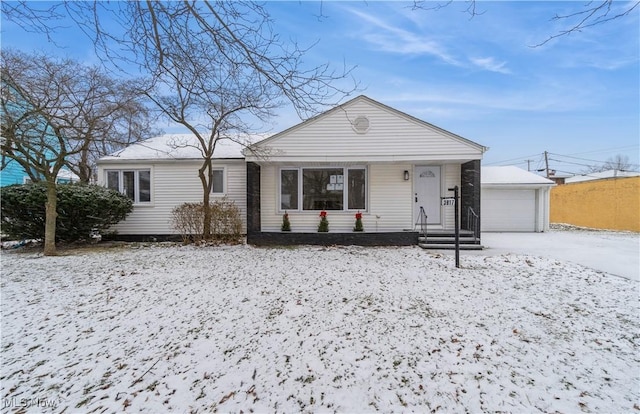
391 198
172 184
392 136
389 206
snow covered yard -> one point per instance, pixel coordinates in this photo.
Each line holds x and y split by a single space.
169 328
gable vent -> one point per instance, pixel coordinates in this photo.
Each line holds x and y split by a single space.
361 124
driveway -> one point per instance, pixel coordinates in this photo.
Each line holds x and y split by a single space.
616 253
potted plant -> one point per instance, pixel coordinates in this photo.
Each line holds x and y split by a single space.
359 226
286 224
323 227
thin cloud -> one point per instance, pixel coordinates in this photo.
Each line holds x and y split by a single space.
489 101
490 64
393 39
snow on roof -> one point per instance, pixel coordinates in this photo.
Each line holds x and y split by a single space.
510 175
67 175
176 146
601 175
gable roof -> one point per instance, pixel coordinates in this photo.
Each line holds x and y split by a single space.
174 147
509 175
367 130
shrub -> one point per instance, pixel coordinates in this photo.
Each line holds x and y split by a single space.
286 224
226 221
323 227
82 209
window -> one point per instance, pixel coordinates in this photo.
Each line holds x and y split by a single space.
217 180
289 189
357 189
331 188
135 184
322 189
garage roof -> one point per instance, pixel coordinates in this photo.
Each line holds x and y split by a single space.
510 175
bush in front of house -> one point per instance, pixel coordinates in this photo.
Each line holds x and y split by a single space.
226 222
82 210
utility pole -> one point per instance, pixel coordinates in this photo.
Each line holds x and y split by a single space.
528 165
546 163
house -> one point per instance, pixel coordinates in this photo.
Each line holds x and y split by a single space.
41 142
514 200
359 157
13 173
162 173
362 156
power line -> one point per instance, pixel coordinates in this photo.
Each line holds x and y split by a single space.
513 159
578 158
606 149
569 162
631 165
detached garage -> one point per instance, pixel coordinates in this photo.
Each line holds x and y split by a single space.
514 200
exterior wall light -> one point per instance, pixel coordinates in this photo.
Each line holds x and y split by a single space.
406 175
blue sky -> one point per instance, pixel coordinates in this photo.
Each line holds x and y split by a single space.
577 97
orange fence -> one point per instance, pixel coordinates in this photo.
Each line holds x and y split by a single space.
612 204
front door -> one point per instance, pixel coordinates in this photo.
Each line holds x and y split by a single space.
427 189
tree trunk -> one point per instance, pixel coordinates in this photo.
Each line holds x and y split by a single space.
50 219
206 225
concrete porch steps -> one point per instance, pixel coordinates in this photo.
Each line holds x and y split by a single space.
452 246
445 240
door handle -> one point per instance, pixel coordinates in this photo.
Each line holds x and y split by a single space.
416 195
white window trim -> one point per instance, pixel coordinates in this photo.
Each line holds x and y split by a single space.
136 171
345 192
299 170
224 182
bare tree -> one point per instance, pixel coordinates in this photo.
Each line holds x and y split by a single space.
56 113
619 162
213 101
585 15
136 35
216 67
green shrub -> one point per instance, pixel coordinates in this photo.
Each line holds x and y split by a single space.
82 209
226 221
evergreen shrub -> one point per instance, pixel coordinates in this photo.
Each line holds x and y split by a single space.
82 210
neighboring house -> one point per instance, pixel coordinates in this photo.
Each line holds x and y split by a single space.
365 157
514 200
13 173
161 173
608 200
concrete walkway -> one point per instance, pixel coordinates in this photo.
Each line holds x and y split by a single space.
616 253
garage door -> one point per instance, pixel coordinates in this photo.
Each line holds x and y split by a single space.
508 210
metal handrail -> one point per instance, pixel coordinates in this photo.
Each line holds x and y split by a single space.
473 221
422 220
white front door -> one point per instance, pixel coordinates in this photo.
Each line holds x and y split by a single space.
427 189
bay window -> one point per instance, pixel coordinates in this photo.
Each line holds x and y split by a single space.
331 188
